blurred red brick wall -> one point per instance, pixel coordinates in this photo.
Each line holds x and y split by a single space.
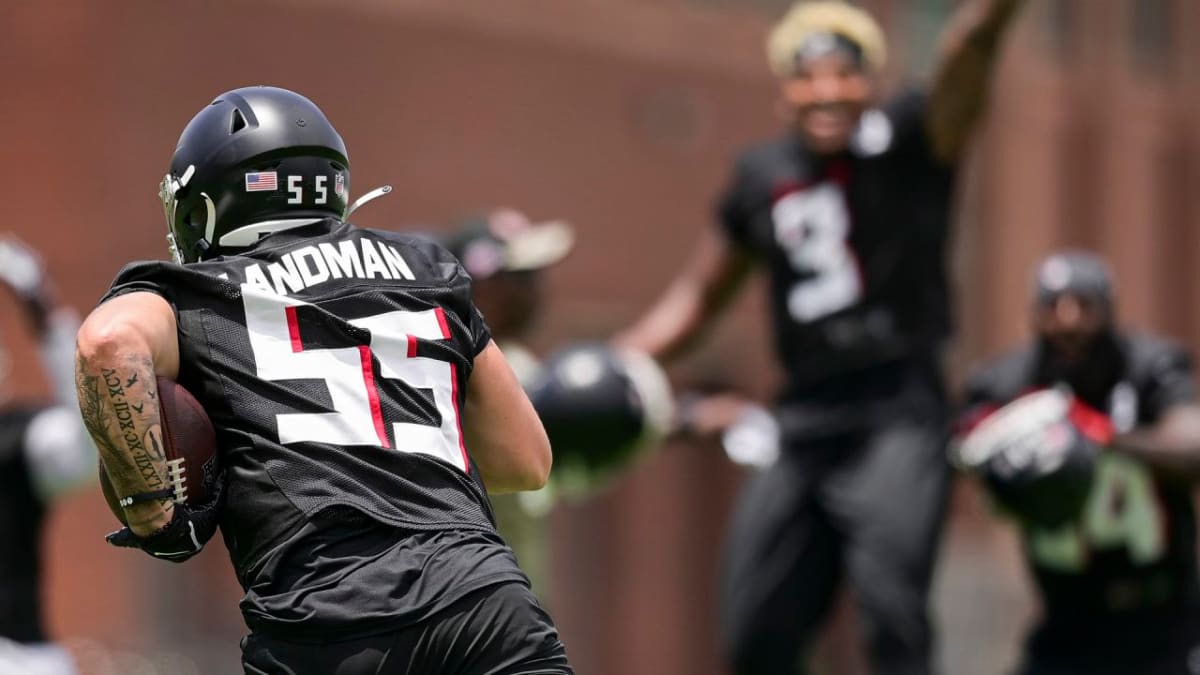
618 115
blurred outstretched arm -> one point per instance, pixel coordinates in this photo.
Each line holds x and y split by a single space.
697 296
964 72
1171 445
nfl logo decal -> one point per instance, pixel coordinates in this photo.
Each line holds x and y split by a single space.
339 185
261 181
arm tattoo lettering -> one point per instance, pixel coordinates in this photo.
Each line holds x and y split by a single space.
113 400
91 408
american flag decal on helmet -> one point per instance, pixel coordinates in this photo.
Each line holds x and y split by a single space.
261 181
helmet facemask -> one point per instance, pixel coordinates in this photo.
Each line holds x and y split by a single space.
181 243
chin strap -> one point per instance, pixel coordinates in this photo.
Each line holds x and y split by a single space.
373 194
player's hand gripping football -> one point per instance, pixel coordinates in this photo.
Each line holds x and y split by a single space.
184 535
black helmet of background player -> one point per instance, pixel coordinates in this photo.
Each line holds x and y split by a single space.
602 409
1075 319
254 161
1037 456
826 53
504 252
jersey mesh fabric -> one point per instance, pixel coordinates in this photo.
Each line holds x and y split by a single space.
378 567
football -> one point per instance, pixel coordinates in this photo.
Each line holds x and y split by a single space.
189 443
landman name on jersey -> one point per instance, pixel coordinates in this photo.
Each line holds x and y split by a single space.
311 265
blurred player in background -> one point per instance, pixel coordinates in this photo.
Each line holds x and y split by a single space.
1117 569
505 253
849 214
44 454
347 373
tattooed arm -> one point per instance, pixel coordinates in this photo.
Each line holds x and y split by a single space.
122 346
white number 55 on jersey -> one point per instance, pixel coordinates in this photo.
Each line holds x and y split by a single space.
348 372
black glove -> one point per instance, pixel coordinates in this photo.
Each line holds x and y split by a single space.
184 536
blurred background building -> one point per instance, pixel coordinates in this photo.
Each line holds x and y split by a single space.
620 115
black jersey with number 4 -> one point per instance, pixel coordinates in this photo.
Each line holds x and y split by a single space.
1130 555
333 362
855 247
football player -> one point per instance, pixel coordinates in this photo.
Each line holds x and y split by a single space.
360 405
44 454
848 212
1117 578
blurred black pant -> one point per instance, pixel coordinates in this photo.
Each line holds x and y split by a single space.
871 504
497 630
1163 642
1184 663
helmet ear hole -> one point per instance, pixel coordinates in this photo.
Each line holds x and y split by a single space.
238 122
197 218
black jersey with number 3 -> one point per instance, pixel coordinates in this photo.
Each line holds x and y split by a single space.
1130 556
854 243
333 362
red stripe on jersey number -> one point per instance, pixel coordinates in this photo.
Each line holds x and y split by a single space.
352 377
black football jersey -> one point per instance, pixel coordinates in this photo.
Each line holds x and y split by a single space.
21 516
1132 550
854 244
333 363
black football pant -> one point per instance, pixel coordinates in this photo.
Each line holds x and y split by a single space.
869 505
1164 643
497 630
1175 663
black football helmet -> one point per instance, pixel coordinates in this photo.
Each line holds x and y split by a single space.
1078 273
1036 462
254 161
602 409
